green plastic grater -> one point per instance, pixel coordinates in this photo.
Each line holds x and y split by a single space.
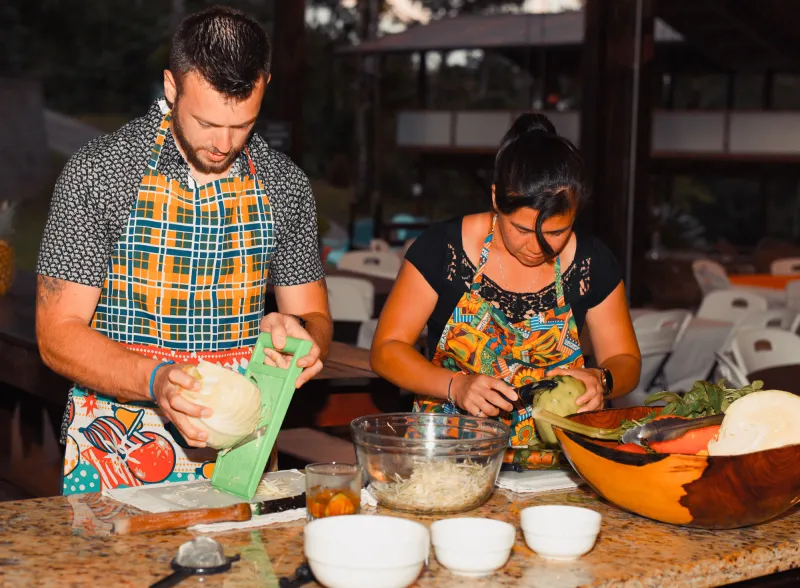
239 470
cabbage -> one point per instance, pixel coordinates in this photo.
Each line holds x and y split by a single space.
561 400
761 420
235 402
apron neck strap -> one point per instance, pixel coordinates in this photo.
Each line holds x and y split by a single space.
487 245
161 137
559 283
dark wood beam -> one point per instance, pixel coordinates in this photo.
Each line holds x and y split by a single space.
616 123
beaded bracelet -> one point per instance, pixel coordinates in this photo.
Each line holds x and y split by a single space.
153 376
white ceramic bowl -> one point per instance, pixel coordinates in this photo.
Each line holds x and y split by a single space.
472 546
560 532
366 551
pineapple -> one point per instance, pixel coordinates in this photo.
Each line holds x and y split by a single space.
6 250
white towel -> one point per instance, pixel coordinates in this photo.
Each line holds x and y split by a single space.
258 521
538 481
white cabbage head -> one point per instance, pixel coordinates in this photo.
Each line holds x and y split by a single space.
762 420
234 400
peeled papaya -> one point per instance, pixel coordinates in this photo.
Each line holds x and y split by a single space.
561 400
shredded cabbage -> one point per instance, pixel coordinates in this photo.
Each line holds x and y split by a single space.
438 486
279 488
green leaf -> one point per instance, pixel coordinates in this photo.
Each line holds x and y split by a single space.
659 396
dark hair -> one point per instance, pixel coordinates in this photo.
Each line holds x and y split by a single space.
537 168
228 48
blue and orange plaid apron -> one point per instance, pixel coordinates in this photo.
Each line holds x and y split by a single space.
186 281
479 339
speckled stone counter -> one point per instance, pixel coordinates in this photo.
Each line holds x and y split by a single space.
65 542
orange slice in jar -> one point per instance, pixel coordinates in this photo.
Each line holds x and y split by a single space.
340 505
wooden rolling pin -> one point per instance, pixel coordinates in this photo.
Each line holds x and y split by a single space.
164 521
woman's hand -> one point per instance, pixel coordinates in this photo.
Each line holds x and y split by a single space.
482 395
592 378
167 387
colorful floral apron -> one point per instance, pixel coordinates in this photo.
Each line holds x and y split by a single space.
186 281
479 339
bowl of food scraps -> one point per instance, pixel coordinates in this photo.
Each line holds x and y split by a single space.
740 472
429 463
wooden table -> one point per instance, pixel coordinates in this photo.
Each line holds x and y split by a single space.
346 362
55 542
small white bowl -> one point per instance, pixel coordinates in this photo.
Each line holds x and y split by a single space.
366 551
560 532
472 546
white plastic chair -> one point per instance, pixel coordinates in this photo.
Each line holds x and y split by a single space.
760 349
381 264
658 334
775 318
787 266
793 295
366 333
731 305
350 299
710 275
728 369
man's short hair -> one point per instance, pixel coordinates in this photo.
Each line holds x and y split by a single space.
226 47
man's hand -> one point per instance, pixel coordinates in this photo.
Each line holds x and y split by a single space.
166 388
281 326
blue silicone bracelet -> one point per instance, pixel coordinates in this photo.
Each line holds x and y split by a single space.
153 376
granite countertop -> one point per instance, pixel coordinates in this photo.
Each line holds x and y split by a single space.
64 541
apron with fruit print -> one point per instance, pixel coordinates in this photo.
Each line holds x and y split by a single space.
185 282
479 339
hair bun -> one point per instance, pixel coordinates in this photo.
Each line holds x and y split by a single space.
530 122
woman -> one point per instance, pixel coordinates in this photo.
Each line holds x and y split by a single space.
505 295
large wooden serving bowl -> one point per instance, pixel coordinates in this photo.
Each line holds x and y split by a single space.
722 492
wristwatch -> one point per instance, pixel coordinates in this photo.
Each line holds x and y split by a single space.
608 381
299 319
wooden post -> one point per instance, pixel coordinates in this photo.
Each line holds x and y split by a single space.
285 92
616 120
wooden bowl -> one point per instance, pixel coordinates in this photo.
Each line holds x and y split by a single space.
723 492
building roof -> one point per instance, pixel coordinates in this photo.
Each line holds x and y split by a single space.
493 32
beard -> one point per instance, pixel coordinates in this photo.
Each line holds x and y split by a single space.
194 155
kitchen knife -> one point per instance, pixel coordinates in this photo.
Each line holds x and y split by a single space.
667 429
164 521
258 433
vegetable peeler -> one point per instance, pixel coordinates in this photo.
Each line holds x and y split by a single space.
526 393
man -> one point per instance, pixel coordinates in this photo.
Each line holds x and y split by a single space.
156 253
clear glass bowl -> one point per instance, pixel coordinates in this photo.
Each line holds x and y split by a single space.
430 463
